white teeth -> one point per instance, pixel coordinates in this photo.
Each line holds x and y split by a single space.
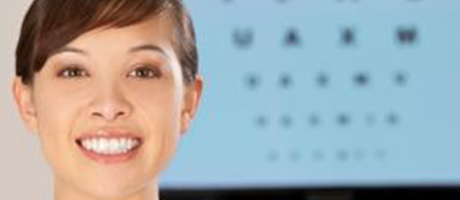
113 146
109 146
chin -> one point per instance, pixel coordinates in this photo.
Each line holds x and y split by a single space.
111 190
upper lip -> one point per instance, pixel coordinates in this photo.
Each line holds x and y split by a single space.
108 132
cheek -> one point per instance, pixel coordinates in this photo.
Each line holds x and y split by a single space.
57 109
159 103
56 112
159 112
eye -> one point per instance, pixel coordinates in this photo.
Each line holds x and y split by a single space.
145 72
72 72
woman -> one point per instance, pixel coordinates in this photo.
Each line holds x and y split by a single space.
109 86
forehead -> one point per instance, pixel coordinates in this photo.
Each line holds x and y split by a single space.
156 30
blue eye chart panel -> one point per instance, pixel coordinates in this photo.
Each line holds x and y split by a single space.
324 93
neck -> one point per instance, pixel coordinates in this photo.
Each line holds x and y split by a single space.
63 191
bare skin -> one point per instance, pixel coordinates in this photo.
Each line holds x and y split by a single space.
127 79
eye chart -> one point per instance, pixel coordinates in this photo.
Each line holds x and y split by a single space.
324 93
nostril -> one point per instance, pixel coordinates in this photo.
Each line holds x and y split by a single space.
118 115
97 114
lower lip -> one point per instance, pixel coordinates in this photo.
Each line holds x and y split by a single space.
111 159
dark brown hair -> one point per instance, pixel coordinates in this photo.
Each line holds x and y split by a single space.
51 24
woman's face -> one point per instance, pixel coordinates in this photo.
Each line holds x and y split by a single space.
109 108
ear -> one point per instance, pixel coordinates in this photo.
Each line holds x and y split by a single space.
192 99
24 101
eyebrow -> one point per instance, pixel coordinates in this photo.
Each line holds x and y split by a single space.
146 47
68 49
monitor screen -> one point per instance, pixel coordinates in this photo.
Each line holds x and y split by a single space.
324 93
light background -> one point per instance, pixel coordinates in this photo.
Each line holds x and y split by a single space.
24 172
254 127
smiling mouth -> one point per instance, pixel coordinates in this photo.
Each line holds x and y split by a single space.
109 146
110 149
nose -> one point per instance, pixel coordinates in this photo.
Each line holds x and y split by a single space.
109 105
